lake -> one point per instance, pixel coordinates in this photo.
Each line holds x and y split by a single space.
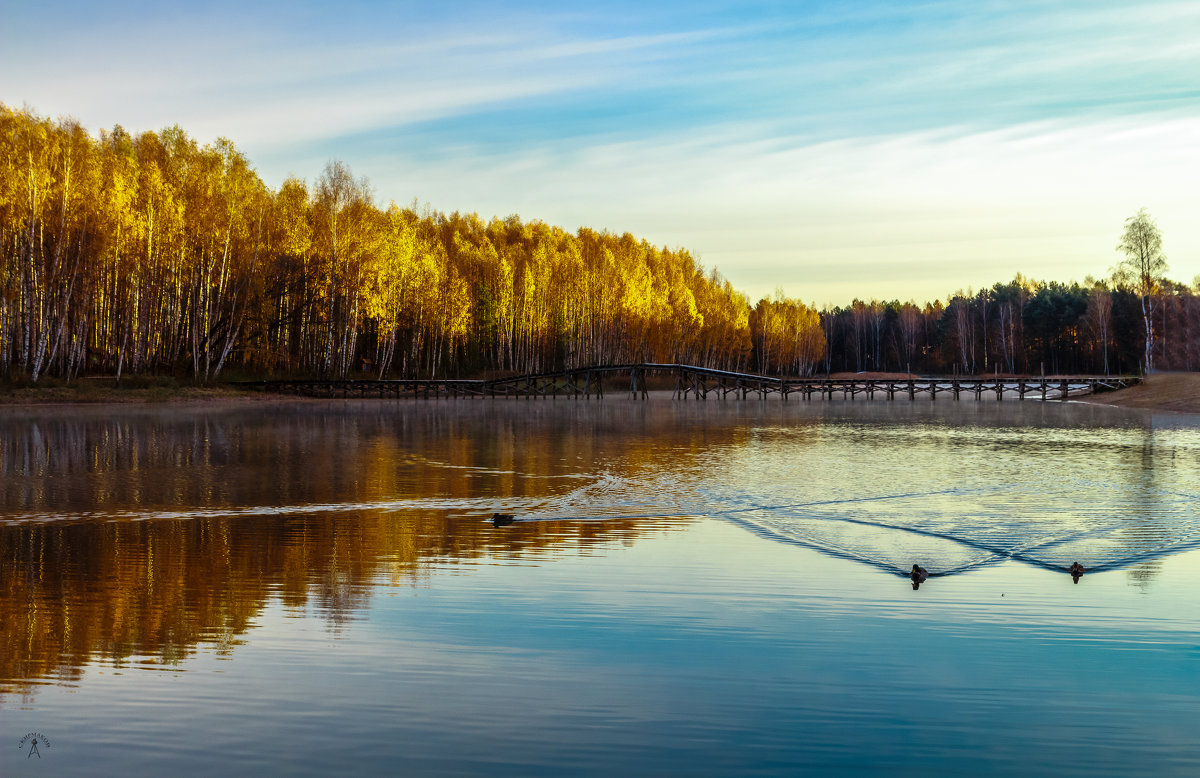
689 588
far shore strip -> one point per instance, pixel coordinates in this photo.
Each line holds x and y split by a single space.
1177 392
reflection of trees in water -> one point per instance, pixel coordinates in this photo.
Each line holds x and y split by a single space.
80 582
1144 532
152 592
84 462
1141 575
312 505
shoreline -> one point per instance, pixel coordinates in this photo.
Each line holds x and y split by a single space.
1163 392
85 394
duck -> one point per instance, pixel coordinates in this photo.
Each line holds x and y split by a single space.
502 519
1076 570
919 574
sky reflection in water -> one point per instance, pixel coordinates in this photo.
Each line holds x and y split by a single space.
319 590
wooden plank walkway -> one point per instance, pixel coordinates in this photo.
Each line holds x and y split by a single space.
697 383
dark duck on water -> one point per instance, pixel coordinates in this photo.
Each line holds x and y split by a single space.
919 573
918 576
502 519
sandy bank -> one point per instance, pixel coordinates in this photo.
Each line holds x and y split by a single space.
1163 392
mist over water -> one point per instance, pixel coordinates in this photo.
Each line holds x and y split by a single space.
689 587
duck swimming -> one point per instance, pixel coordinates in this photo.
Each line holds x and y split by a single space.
919 574
502 519
1076 570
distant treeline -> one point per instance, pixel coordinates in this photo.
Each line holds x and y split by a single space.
1021 326
152 254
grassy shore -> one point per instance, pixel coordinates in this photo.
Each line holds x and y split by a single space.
1178 392
134 389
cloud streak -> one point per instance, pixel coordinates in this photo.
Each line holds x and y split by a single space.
839 149
875 216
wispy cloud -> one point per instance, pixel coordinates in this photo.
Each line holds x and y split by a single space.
881 216
833 72
894 142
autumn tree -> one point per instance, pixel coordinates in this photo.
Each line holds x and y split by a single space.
787 335
127 253
343 216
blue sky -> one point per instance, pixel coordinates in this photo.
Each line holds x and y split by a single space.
834 149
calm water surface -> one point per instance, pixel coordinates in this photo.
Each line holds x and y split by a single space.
707 588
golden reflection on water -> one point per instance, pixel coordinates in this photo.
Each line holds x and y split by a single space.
153 591
88 464
140 536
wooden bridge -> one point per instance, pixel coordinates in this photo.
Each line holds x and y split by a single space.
698 383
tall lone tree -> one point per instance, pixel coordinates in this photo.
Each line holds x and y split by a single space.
1143 268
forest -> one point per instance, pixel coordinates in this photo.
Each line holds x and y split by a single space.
152 254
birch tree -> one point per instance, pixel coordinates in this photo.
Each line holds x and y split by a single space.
1143 269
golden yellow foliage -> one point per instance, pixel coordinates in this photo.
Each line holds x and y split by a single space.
152 253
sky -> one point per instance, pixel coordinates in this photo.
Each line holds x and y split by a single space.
833 150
